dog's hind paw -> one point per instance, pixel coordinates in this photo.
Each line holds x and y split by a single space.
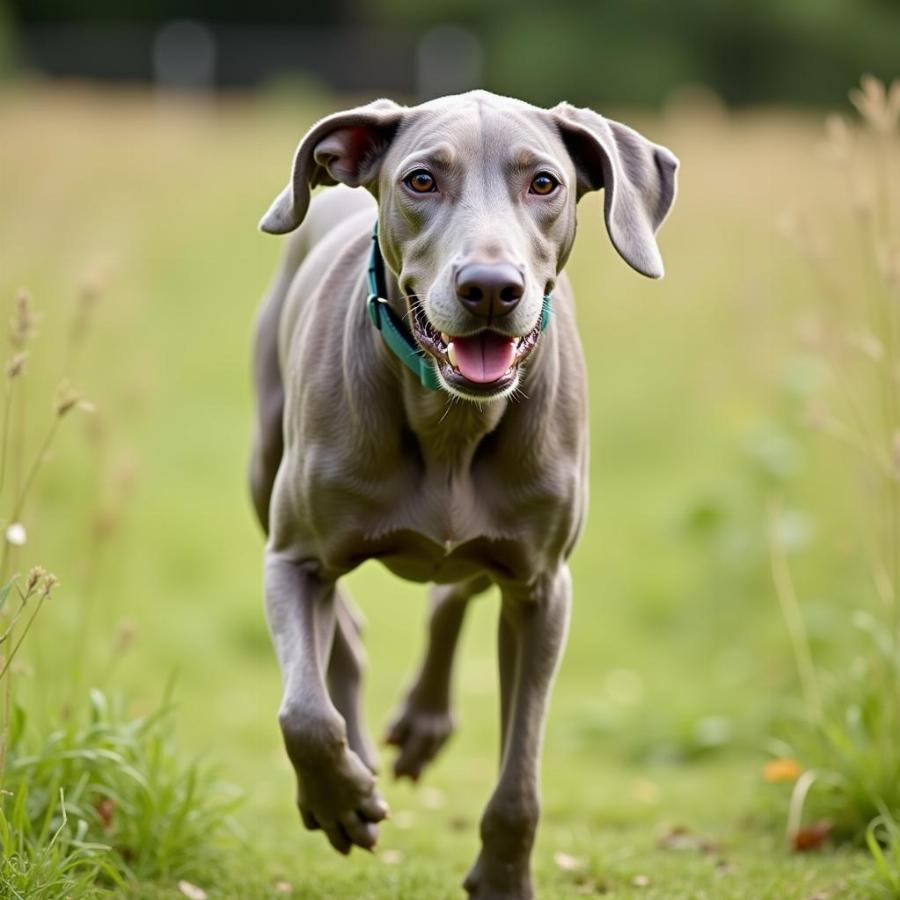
419 733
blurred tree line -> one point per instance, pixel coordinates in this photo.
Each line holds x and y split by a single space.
623 51
636 51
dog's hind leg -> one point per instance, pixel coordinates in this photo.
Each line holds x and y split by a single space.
424 721
344 677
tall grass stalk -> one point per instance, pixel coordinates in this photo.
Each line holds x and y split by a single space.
103 802
39 585
786 593
849 741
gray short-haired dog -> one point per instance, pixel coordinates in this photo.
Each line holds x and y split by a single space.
422 401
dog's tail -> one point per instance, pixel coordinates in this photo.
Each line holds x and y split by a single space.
268 440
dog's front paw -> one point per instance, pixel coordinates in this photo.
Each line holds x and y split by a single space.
335 788
492 879
419 731
340 797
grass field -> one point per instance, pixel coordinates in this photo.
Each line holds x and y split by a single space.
678 666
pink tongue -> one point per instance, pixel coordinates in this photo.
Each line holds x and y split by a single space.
484 357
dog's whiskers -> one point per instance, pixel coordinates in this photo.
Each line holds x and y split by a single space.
410 303
447 407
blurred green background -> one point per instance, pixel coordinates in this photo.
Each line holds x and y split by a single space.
610 51
147 194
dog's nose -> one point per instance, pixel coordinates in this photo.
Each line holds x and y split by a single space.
489 290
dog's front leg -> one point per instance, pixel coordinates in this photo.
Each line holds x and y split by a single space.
533 630
335 789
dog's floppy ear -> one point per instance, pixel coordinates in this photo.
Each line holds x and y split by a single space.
637 176
345 147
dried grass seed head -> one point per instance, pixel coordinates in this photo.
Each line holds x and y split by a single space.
23 324
34 579
50 582
878 104
68 399
16 365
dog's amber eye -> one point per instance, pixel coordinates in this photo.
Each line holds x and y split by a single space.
421 181
543 184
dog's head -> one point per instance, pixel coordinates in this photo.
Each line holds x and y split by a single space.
477 197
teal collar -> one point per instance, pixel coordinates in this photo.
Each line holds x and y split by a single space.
401 343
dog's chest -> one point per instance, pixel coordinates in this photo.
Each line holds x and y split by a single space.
436 516
448 508
442 527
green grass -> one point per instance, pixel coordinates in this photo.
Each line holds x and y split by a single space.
108 805
678 663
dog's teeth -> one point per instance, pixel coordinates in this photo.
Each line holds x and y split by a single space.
451 354
445 337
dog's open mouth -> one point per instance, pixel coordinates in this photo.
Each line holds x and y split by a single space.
485 363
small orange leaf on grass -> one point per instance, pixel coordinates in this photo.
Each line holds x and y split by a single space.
782 769
811 837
